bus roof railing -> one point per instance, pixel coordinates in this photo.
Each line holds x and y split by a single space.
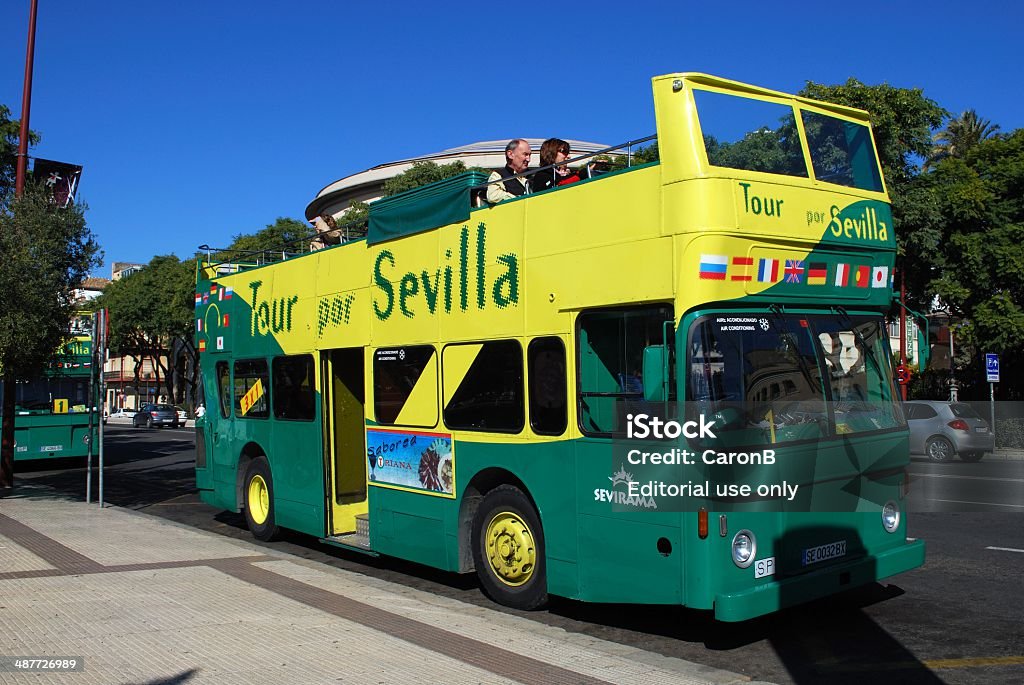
611 151
229 260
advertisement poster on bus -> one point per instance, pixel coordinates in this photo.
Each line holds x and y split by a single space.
411 459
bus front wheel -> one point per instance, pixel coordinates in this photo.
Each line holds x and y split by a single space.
259 500
508 549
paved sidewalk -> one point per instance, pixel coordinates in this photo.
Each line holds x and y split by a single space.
144 600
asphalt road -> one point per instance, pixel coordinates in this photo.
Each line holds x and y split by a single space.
958 619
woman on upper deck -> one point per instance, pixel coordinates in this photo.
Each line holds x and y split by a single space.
553 151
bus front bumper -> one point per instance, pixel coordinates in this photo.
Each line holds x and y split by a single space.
765 599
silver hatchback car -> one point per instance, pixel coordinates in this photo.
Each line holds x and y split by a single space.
943 430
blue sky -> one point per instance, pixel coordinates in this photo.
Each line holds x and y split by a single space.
198 120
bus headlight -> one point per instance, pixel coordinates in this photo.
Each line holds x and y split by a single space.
744 548
891 516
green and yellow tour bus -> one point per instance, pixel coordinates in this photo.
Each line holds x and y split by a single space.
51 410
466 386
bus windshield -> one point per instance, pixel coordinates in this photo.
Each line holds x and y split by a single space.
790 377
756 135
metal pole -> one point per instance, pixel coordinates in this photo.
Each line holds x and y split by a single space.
26 104
102 354
903 331
992 410
92 401
952 375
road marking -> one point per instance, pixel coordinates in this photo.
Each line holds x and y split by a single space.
971 662
968 662
1006 549
949 475
985 504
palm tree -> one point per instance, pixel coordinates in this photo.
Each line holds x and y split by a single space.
960 135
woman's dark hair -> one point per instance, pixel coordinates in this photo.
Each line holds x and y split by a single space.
551 147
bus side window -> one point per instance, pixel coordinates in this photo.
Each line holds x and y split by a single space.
224 389
247 374
293 388
483 386
405 386
548 401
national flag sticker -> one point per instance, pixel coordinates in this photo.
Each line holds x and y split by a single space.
862 276
842 275
220 342
713 267
880 277
817 272
794 270
768 270
199 299
740 265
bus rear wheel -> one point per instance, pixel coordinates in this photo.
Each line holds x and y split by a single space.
508 549
259 500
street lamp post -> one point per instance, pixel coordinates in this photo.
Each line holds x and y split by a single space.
26 103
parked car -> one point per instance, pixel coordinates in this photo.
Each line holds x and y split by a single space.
943 430
182 416
123 413
156 415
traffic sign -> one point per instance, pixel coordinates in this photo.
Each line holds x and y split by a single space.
992 368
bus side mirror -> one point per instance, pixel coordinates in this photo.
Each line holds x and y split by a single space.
654 375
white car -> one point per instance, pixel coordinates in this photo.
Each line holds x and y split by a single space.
182 417
123 413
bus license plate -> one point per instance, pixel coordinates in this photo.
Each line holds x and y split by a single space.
832 550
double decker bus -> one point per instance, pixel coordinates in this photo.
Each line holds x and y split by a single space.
459 388
52 410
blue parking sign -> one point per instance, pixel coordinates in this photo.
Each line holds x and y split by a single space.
992 368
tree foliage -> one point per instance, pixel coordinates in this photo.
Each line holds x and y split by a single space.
961 134
420 174
973 220
284 233
47 251
9 134
152 317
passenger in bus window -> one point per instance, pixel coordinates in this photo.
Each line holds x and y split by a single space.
553 153
327 232
501 184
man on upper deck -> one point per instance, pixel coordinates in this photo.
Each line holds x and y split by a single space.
502 183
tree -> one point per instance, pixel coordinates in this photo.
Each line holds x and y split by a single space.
284 234
961 134
975 223
420 174
47 252
9 133
152 317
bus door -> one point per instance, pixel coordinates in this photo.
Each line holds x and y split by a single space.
619 535
344 436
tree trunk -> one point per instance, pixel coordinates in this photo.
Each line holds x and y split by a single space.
7 433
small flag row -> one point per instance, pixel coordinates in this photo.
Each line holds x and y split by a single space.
769 270
217 293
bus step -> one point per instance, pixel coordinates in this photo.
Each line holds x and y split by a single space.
363 525
352 541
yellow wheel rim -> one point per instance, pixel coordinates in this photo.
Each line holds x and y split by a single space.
258 501
510 548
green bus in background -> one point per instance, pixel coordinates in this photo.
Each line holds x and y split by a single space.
52 410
